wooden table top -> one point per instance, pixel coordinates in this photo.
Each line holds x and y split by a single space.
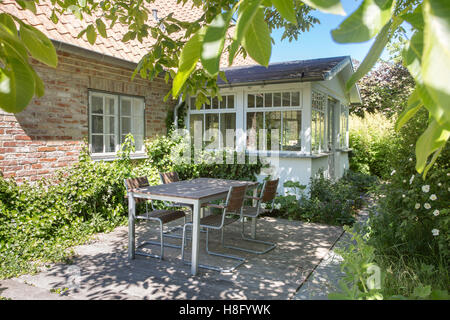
194 189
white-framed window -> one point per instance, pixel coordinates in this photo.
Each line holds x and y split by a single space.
214 120
274 112
318 121
111 118
343 127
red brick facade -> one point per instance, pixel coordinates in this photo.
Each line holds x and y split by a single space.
49 133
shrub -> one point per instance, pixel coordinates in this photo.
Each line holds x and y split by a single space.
372 138
329 202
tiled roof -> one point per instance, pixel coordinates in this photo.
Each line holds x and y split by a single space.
68 28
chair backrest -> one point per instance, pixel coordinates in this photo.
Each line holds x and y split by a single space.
269 190
235 198
169 177
134 183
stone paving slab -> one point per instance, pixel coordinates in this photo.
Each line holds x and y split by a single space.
101 270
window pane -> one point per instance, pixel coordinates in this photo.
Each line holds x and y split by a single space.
215 103
268 100
138 126
212 128
110 126
125 107
138 107
259 100
255 122
286 99
97 124
125 125
292 126
97 105
230 102
110 107
97 144
110 143
193 118
251 101
295 96
273 122
277 99
223 103
228 122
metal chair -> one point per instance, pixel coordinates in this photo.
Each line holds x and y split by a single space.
268 193
160 216
233 203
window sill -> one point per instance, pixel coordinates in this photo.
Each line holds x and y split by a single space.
344 149
112 157
287 154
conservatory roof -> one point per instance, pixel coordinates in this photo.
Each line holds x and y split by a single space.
291 71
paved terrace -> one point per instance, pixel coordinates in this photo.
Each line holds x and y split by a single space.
101 270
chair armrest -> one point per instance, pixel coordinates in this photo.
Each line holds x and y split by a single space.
213 205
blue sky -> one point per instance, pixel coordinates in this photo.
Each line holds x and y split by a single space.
318 43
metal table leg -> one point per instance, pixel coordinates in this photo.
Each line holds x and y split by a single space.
131 228
195 237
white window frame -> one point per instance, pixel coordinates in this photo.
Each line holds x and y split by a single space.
281 109
324 111
117 123
217 111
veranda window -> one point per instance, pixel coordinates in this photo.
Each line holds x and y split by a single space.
343 126
111 118
274 121
216 121
318 109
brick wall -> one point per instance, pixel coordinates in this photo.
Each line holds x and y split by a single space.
49 133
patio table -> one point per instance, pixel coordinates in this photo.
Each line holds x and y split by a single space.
196 192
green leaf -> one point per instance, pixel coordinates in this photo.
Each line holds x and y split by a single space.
430 141
422 292
412 56
365 22
39 46
39 87
415 18
27 4
101 27
91 34
328 6
372 57
16 85
8 24
436 58
257 41
414 105
213 42
82 3
286 9
247 12
190 54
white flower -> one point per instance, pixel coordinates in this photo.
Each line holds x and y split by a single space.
411 179
427 206
277 206
426 188
435 232
417 206
263 205
433 197
436 212
404 181
403 196
439 184
410 159
448 174
392 173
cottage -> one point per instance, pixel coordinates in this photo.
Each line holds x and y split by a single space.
90 97
303 103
